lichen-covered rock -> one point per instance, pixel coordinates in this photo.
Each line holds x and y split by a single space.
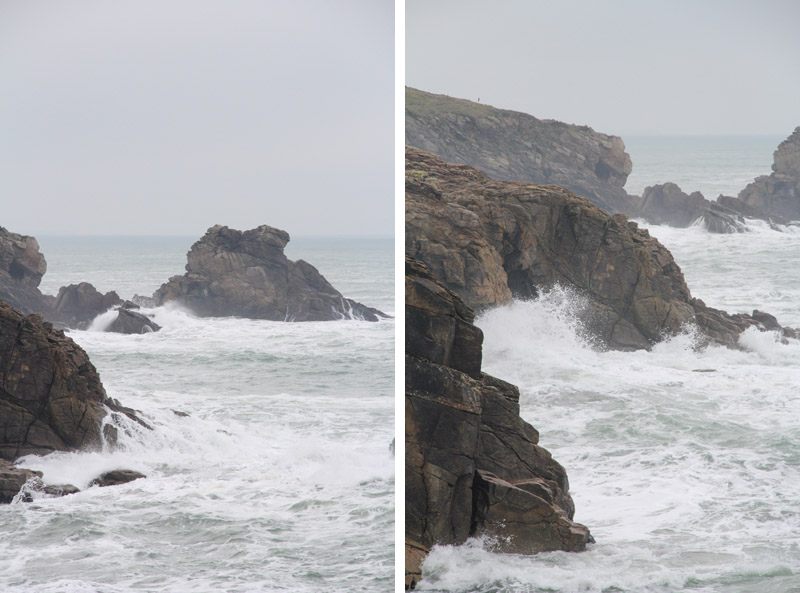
21 271
778 194
51 397
467 448
246 274
513 146
667 204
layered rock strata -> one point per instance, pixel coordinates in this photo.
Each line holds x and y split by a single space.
246 274
489 241
778 194
513 146
473 466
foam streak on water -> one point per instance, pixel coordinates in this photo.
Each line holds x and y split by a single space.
275 474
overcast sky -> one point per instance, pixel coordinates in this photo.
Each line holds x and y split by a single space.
619 66
166 117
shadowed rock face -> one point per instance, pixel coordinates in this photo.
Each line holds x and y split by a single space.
473 466
778 194
246 274
21 271
51 397
513 146
78 304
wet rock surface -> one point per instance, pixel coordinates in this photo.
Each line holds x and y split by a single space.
473 466
246 274
77 305
131 322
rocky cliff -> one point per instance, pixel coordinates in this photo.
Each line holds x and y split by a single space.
473 466
489 241
513 146
246 274
51 397
778 194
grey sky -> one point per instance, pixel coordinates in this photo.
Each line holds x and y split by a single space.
154 117
619 66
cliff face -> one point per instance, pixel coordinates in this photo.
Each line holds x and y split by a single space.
473 466
514 146
778 194
246 274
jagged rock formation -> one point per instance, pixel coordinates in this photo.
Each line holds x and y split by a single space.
667 204
473 466
489 241
513 146
246 274
21 271
778 194
51 397
77 305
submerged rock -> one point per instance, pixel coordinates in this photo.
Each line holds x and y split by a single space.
246 274
513 146
473 466
51 397
116 477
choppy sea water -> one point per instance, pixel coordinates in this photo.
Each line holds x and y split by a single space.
684 463
280 478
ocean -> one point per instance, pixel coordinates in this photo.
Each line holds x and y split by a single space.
275 474
683 462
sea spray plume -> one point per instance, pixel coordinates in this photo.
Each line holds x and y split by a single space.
473 466
246 274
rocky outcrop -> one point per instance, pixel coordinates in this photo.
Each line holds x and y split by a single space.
513 146
490 241
473 466
116 477
667 204
131 322
246 274
77 305
51 397
778 194
21 271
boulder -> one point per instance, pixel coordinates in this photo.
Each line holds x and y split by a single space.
131 322
116 477
246 274
778 194
13 479
513 146
21 271
77 305
667 204
51 397
473 466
